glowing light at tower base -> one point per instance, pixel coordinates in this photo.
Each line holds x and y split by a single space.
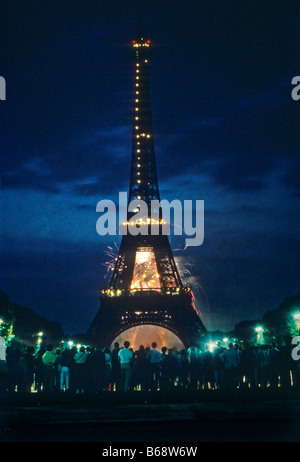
146 334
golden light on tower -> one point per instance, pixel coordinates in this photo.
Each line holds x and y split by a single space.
145 275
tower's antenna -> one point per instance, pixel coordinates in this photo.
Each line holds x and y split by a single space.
140 19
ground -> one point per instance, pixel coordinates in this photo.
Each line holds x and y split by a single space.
208 416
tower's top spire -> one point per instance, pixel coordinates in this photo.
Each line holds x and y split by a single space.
140 8
141 32
143 181
141 44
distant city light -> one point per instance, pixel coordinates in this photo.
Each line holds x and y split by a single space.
211 346
258 329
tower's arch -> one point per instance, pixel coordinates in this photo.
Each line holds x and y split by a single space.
146 334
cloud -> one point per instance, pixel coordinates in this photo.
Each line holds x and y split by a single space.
102 156
240 146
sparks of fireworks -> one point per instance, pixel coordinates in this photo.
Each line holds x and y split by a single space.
188 277
112 254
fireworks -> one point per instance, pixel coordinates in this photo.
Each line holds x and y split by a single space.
186 267
112 254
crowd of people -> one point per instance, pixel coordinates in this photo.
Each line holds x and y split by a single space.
81 369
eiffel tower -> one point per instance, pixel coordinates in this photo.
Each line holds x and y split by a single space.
145 287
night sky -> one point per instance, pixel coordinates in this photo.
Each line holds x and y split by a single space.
226 131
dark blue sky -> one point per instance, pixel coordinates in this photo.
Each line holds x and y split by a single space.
226 131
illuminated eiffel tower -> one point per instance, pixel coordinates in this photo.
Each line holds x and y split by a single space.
145 287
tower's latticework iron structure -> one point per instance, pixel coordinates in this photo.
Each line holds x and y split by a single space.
145 286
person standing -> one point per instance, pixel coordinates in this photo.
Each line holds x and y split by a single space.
140 369
170 370
208 368
195 366
125 357
115 367
231 358
218 366
57 369
39 369
49 359
107 375
30 360
96 365
80 359
154 357
66 362
183 365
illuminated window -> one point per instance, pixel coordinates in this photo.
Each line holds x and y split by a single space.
145 274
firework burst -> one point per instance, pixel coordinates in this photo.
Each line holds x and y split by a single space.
186 266
112 254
